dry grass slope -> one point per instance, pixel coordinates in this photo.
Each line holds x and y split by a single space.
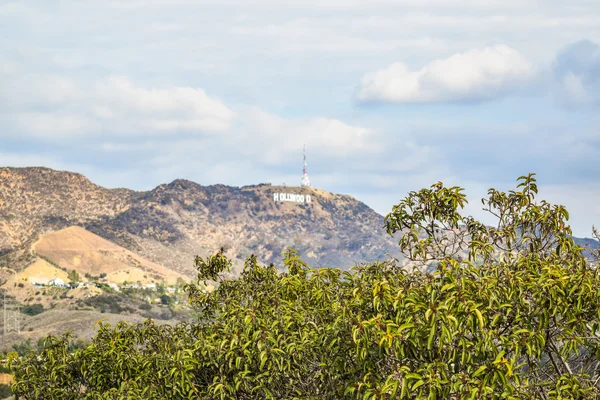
74 248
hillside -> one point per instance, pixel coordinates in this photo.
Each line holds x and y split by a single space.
174 222
76 249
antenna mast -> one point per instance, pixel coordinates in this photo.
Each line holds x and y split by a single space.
305 180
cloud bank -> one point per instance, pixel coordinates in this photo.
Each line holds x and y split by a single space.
49 106
125 115
474 75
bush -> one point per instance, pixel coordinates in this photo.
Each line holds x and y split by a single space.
23 348
33 309
5 391
106 303
521 324
165 299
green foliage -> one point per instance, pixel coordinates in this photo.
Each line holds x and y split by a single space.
73 277
107 303
518 319
5 391
33 309
165 299
4 369
23 348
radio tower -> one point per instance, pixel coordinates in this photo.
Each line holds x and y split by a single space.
305 180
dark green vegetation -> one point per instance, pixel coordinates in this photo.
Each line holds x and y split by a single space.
33 309
5 391
518 319
28 346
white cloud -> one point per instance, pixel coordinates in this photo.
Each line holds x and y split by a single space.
114 108
474 75
53 106
275 138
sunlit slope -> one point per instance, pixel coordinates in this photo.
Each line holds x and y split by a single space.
74 248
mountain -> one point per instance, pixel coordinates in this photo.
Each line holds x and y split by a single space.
169 225
172 223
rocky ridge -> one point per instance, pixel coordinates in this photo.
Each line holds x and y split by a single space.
174 222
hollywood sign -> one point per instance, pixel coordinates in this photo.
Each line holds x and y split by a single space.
295 198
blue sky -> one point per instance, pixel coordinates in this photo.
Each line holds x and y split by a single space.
389 96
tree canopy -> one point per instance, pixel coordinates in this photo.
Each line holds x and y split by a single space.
511 311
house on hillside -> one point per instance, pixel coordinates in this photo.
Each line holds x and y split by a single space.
58 283
132 286
114 286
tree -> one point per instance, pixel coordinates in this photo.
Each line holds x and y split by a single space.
165 299
33 309
511 311
73 277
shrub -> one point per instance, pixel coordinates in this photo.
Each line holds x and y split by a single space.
33 309
5 391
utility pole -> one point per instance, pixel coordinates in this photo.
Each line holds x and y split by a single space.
12 315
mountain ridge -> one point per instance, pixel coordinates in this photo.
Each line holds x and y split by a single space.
175 221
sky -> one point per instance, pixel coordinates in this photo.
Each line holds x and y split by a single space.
389 96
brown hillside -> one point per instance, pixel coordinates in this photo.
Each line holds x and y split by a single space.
76 249
37 200
174 222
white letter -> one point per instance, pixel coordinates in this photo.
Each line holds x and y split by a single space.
308 198
275 196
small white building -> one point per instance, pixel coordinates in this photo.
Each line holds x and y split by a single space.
132 286
58 283
114 287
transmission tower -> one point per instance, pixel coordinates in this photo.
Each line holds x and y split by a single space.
305 180
12 315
